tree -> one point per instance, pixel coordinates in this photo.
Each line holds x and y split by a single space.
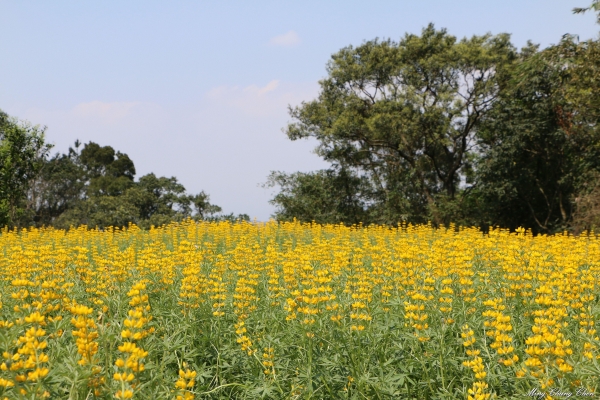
595 6
326 197
109 173
60 186
539 145
404 116
580 119
205 210
22 149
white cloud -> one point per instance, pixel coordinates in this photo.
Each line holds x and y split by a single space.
256 101
288 39
269 88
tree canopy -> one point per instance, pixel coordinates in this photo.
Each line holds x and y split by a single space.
405 116
471 131
90 185
594 6
22 149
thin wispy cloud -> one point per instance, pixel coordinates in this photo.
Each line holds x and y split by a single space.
288 39
263 90
260 101
109 112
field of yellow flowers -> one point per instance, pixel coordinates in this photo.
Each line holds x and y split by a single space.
202 310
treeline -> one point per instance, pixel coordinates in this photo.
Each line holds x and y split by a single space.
471 131
89 185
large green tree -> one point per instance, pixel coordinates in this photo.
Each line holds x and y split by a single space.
404 116
540 145
22 149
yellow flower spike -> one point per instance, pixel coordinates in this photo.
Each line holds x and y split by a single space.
6 383
125 394
35 317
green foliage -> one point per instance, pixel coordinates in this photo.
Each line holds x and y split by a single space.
22 148
540 143
324 196
108 172
60 186
471 132
595 6
91 185
404 115
106 194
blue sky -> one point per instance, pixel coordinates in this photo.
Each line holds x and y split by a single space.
199 89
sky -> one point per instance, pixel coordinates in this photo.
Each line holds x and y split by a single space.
200 90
